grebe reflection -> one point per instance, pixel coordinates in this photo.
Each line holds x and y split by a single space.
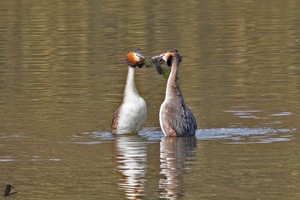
174 152
132 163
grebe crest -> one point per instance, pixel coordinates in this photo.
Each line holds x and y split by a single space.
135 58
167 57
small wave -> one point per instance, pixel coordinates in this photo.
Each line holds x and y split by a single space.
12 135
228 132
246 135
6 160
235 135
282 114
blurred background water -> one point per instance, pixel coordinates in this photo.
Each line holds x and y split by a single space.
62 75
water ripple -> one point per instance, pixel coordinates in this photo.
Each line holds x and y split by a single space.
237 135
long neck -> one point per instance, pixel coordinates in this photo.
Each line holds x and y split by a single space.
173 90
130 84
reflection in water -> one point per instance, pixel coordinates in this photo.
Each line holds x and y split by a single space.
174 152
132 159
62 72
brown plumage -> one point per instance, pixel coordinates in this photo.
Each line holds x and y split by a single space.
115 119
175 118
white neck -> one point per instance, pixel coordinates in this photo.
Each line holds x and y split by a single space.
130 88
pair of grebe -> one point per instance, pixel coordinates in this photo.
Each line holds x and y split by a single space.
175 118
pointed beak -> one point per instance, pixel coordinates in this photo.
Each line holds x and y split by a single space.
157 60
142 58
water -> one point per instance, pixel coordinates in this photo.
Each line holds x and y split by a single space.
62 74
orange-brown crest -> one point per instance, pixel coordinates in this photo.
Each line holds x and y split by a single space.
135 59
167 55
131 58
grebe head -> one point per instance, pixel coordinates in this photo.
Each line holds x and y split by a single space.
135 58
167 57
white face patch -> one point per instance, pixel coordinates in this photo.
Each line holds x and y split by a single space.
165 56
136 57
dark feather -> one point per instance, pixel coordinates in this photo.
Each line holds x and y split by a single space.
114 123
138 51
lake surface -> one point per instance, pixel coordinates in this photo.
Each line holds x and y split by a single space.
62 75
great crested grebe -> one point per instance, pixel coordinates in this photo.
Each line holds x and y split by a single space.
175 118
132 113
